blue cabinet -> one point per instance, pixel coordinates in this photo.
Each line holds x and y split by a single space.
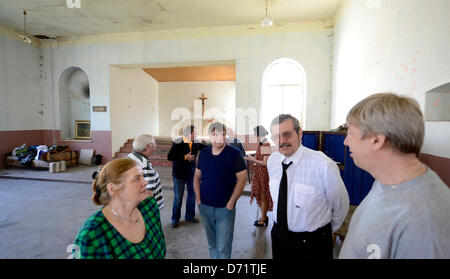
357 181
311 139
333 146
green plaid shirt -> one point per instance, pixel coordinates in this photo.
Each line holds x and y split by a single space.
98 239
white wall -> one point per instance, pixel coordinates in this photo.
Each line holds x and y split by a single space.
134 105
308 43
399 46
21 95
221 104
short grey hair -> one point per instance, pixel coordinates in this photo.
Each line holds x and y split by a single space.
141 141
399 118
283 117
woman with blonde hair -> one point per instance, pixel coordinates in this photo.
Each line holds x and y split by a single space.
128 225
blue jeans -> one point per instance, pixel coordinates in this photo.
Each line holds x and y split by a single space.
219 228
178 190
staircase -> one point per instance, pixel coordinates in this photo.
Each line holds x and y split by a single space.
159 156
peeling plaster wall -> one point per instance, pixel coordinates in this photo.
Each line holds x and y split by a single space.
21 92
399 46
308 43
21 95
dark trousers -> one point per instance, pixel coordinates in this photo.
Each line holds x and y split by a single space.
303 245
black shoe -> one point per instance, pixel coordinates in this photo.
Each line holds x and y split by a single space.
265 224
174 225
195 221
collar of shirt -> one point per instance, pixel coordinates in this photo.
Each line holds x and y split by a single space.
142 158
295 158
186 140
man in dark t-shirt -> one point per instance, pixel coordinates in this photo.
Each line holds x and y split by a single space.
219 181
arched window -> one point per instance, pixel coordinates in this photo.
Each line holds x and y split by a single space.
283 91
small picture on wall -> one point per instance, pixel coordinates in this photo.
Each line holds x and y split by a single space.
82 129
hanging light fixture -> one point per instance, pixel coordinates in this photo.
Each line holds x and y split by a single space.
266 21
24 36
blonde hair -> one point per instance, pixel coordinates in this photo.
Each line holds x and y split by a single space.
397 117
112 172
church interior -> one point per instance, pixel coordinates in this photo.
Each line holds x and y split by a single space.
94 74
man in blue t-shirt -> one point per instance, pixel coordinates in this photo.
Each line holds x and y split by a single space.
219 181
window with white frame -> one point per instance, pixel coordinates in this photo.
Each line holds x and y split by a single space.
283 91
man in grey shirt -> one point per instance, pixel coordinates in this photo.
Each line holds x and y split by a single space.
407 212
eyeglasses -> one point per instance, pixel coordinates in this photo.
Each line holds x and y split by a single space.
285 135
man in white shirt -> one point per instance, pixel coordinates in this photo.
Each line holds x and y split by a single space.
310 199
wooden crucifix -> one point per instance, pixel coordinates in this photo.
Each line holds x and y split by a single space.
203 98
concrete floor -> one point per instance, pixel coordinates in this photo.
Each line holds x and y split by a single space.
39 219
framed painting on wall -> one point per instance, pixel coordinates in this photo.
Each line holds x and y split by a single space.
83 129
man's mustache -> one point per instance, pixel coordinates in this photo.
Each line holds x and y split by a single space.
286 144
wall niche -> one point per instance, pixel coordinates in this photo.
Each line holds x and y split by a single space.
74 103
437 103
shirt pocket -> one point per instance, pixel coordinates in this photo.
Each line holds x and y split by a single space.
303 195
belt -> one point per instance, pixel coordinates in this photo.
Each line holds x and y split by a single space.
324 229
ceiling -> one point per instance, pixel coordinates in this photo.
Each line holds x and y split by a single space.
53 18
198 73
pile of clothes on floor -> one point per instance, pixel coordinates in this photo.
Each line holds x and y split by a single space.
37 155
